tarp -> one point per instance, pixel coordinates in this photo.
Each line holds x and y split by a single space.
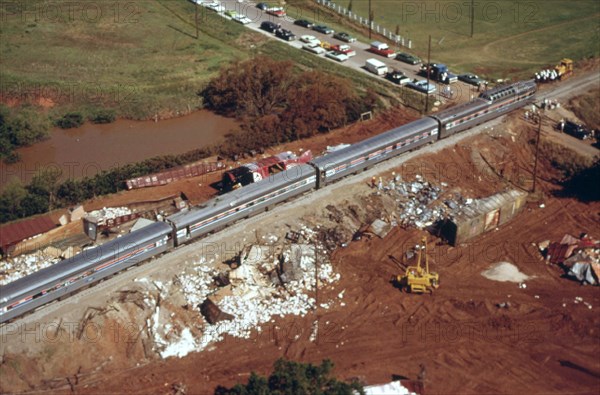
583 271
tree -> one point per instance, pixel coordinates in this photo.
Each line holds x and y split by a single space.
291 378
253 88
45 184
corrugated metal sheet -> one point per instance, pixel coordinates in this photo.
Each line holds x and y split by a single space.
13 233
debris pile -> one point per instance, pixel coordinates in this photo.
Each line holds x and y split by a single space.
416 201
579 257
12 269
505 271
266 283
107 213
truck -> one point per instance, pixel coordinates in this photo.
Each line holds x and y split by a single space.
382 49
439 73
376 67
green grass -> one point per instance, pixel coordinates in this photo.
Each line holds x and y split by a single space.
510 38
137 64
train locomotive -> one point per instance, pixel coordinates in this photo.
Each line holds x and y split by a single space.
91 266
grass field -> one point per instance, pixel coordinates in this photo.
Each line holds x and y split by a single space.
510 37
140 58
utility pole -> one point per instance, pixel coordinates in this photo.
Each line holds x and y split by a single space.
472 16
537 145
428 71
197 31
370 19
316 294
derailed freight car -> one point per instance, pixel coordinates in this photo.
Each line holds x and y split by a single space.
483 215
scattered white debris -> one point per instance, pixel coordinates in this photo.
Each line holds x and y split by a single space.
251 297
13 269
182 347
542 205
107 213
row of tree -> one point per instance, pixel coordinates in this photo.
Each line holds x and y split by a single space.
277 103
290 377
48 190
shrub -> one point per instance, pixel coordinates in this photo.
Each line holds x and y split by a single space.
103 116
70 120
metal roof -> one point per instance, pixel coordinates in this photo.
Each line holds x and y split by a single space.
485 205
81 262
16 232
377 142
242 195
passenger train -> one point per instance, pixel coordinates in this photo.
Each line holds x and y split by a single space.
90 266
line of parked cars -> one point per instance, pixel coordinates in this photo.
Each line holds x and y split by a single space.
342 53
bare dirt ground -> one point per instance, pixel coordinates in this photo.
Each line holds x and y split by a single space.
544 343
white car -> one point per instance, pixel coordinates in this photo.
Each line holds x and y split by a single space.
242 19
314 48
310 39
340 57
216 7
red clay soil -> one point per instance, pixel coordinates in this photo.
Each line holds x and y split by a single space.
544 343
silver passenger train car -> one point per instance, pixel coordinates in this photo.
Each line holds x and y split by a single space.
61 279
373 150
242 203
88 267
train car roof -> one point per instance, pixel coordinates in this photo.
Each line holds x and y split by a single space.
501 91
381 140
459 110
80 262
243 194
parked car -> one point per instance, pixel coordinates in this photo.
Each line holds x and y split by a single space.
407 58
343 48
244 20
278 12
314 48
310 39
398 77
269 26
381 49
303 23
472 79
340 57
422 86
285 34
218 7
344 37
323 29
262 6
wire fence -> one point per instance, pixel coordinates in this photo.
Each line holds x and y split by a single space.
398 39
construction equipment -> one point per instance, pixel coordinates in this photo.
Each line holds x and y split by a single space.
561 71
417 280
564 69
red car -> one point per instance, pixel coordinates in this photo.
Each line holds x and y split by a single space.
381 49
279 12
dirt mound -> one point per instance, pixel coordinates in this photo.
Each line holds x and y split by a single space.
505 271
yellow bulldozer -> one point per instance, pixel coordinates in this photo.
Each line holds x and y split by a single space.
564 69
416 279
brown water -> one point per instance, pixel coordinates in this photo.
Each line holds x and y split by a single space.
87 150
